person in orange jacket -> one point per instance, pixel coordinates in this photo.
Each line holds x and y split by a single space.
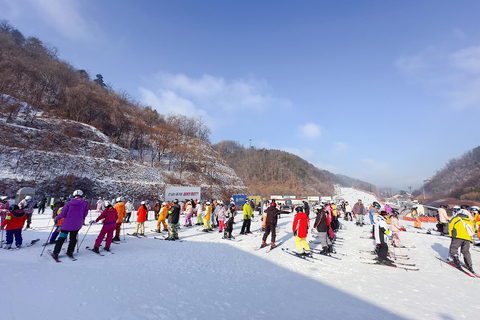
161 218
141 218
206 218
13 223
300 230
121 211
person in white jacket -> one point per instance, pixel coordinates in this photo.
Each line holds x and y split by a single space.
381 238
443 218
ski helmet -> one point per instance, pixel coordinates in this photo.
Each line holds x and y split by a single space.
107 204
456 208
299 208
175 201
77 193
475 208
376 204
142 203
119 199
394 213
28 198
164 203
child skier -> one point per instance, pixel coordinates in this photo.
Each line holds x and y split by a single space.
300 230
13 223
199 214
109 216
188 214
395 228
230 216
221 217
161 218
59 227
141 218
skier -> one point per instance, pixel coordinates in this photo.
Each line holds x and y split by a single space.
300 230
247 218
417 223
173 218
57 205
476 211
74 212
381 238
141 218
58 229
307 208
13 223
322 226
348 212
28 204
221 216
395 228
100 206
4 208
230 216
199 214
41 205
161 218
443 220
359 212
120 208
271 226
109 217
461 230
373 211
206 219
128 210
156 208
188 214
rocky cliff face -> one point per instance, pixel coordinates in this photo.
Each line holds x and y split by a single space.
56 156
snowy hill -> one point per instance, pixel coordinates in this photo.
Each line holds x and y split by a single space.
57 155
206 277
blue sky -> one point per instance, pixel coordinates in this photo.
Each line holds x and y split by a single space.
384 91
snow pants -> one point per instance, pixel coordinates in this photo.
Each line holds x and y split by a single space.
246 226
199 218
324 239
55 234
173 231
299 241
360 219
108 230
464 246
29 219
382 252
18 237
71 243
142 227
229 228
188 219
221 224
396 238
206 224
270 227
128 215
161 221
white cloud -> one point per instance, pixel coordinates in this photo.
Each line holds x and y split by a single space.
302 153
309 131
325 166
216 94
467 59
340 147
65 16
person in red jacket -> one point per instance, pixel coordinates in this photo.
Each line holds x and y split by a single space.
13 223
300 230
141 218
109 216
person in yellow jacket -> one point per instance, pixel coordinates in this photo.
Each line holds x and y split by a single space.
461 230
206 217
476 211
161 218
247 217
121 211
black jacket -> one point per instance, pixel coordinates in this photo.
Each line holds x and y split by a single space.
173 214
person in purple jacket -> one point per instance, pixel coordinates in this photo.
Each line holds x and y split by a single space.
74 213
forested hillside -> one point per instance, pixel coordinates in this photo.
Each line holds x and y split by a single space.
49 108
459 178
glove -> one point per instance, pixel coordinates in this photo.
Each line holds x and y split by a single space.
295 233
93 222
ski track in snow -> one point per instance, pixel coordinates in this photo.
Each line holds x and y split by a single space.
206 277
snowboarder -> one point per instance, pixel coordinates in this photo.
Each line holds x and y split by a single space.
300 230
141 218
13 223
120 207
271 224
109 217
461 230
74 212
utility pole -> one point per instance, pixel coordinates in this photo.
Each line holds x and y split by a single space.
250 143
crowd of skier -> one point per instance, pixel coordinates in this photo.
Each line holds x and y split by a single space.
70 217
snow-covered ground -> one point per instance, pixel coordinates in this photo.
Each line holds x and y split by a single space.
206 277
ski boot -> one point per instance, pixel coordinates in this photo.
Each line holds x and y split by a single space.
331 249
387 262
8 246
116 239
96 250
469 268
107 249
455 261
300 254
307 254
263 245
273 246
324 251
135 234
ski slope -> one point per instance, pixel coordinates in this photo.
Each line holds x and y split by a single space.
206 277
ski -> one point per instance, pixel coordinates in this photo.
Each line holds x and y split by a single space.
256 249
165 238
32 243
309 259
90 249
156 231
273 247
51 254
232 239
376 260
108 251
468 273
393 266
133 235
314 250
327 255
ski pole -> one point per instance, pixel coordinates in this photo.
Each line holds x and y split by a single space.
45 245
406 241
1 240
123 228
78 246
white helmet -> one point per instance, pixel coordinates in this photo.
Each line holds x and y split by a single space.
208 203
28 198
164 203
143 202
475 208
119 199
107 203
456 208
78 193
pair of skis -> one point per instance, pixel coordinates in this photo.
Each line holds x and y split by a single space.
165 238
270 247
460 268
25 246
